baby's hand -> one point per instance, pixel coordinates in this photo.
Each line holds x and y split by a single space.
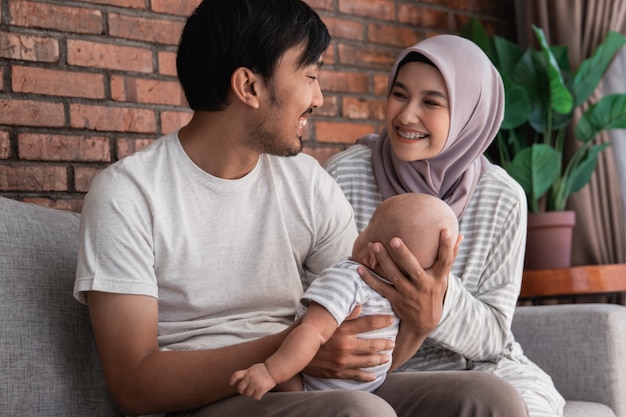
254 381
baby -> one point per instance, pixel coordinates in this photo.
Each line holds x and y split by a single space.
415 218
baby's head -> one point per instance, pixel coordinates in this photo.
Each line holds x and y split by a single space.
415 218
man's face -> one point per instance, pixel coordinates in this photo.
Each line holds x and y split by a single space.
288 99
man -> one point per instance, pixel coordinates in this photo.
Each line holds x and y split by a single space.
194 251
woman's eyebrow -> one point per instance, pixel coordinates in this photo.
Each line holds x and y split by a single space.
435 93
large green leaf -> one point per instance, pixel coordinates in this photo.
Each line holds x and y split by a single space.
592 69
475 32
535 168
608 113
507 55
560 98
578 177
562 58
517 105
581 174
526 75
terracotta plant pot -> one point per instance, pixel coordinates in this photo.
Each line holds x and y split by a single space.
549 240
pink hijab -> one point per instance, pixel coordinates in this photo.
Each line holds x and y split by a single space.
476 97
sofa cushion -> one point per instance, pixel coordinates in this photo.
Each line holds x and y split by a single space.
48 360
586 409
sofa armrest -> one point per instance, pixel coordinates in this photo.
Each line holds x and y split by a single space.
582 346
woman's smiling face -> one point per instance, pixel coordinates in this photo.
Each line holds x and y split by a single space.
417 113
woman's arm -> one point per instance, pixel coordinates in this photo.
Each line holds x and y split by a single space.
417 295
407 344
483 292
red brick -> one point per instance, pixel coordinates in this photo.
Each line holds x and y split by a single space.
143 29
55 17
49 147
172 120
367 56
175 7
127 146
127 4
380 84
31 113
392 35
336 81
329 54
423 16
33 178
83 177
502 9
67 204
112 119
367 36
142 90
330 107
57 83
167 63
28 48
5 144
320 4
455 4
108 56
363 108
341 132
378 9
344 29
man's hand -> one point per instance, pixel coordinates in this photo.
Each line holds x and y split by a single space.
344 354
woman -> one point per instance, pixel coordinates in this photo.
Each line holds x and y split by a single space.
444 107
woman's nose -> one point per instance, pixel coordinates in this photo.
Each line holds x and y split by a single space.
409 114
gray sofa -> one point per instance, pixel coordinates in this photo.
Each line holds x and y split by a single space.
49 364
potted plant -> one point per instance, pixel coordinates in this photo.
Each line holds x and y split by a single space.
542 94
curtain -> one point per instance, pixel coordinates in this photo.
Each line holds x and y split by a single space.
600 232
615 82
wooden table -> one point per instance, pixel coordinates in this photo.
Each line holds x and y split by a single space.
574 281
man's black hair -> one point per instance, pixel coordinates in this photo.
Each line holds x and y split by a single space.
223 35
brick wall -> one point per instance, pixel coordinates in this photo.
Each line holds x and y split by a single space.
85 82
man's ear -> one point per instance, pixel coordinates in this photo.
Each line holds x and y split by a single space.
245 85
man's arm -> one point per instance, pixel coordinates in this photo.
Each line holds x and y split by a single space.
144 380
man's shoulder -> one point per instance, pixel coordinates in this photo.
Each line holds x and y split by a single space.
134 168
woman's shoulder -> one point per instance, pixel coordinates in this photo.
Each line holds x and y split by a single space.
355 155
497 189
496 178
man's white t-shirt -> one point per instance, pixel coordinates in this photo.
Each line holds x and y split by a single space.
227 259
